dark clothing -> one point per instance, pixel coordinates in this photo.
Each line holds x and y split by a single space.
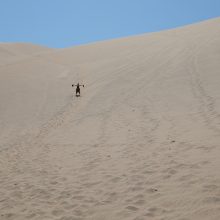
77 89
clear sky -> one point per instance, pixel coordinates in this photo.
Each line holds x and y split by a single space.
64 23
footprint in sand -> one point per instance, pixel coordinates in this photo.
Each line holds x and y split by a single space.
65 194
115 179
70 218
91 184
140 202
78 213
132 208
78 197
140 218
212 200
8 216
53 182
57 212
210 188
151 212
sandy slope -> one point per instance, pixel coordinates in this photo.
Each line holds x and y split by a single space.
141 143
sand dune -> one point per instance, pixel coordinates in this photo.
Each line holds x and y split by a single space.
142 142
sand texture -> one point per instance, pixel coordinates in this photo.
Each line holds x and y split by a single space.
141 143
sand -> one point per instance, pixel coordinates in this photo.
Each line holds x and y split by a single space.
142 142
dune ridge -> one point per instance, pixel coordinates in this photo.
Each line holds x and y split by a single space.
142 142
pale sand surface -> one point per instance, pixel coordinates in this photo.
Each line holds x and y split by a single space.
141 143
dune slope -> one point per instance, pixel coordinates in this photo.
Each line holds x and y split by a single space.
142 142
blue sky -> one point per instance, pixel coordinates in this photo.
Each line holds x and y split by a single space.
64 23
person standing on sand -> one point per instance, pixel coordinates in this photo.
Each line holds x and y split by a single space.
77 89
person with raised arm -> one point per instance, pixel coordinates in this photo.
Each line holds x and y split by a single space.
77 88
